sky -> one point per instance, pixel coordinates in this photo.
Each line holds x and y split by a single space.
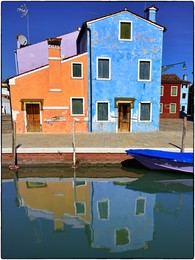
52 18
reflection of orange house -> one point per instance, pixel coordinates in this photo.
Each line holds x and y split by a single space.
47 99
62 199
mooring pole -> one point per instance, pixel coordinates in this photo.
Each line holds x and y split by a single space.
184 134
74 142
74 145
14 142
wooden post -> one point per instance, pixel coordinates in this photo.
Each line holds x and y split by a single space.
184 133
74 145
14 142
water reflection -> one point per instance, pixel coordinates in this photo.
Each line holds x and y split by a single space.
114 213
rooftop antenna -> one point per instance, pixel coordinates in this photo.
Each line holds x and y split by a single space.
25 13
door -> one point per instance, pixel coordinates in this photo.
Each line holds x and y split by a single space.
124 117
33 117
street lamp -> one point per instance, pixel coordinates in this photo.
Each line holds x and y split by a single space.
166 67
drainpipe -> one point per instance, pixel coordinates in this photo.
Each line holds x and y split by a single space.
90 78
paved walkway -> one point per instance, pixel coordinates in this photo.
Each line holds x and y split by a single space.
169 137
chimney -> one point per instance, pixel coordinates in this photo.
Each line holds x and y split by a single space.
54 60
151 13
54 49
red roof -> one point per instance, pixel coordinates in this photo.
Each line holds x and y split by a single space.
172 78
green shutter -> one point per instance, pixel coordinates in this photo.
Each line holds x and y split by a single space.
77 106
122 237
103 209
103 68
125 31
77 70
145 112
102 111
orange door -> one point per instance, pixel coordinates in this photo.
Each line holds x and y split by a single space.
123 117
33 117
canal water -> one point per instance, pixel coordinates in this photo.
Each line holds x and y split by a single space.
118 212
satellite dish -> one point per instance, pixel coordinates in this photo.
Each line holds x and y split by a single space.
22 40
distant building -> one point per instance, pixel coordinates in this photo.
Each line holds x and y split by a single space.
191 101
174 92
124 59
185 84
48 98
5 99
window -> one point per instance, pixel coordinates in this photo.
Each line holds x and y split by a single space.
144 70
172 108
162 91
80 208
184 86
122 236
183 95
140 206
103 68
125 30
103 209
145 111
161 108
102 111
77 70
173 90
77 106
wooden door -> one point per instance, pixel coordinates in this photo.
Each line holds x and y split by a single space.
33 117
123 117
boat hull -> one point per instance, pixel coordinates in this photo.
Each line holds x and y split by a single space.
164 160
163 164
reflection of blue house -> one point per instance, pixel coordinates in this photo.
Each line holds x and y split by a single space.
122 218
125 53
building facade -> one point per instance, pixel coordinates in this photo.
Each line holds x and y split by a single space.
174 92
49 98
124 70
185 85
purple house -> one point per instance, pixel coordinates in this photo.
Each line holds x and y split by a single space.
29 57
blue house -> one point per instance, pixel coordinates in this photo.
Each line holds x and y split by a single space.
184 94
124 66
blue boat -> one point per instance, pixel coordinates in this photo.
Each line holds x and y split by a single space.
164 160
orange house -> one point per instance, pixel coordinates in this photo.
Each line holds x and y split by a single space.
49 98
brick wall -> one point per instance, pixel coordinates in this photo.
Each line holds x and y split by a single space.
24 158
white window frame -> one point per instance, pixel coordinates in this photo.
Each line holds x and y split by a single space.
97 111
176 91
105 58
72 63
71 106
162 92
145 102
150 76
161 108
175 108
119 31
